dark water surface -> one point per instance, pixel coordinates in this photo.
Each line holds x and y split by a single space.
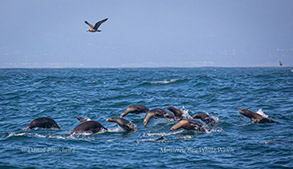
63 94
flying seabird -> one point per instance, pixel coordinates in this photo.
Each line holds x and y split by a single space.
97 25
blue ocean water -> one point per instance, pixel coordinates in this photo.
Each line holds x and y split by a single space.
63 94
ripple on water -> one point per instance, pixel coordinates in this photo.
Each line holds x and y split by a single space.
64 94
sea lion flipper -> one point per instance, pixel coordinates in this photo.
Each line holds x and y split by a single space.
147 118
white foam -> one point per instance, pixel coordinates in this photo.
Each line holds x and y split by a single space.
164 82
151 140
260 112
19 134
84 119
88 119
111 140
185 114
86 133
114 130
77 138
83 133
26 134
36 135
36 83
214 130
73 137
185 137
162 134
40 135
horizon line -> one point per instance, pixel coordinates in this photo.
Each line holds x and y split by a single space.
138 67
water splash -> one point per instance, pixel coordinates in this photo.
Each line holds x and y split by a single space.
260 112
185 114
115 130
217 120
87 119
86 133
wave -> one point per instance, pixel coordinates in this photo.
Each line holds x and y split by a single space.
111 140
43 136
163 82
86 133
162 134
65 136
19 134
186 137
165 139
213 130
80 136
151 140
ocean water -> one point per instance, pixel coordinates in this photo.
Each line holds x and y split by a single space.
64 94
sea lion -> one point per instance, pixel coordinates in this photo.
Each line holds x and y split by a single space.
156 113
88 126
169 115
135 108
255 117
178 113
43 122
205 118
123 123
189 125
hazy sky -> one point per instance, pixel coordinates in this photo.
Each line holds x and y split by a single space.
146 33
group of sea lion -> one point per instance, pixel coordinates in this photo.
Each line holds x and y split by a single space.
91 126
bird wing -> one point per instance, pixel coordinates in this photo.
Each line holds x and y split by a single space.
98 24
91 26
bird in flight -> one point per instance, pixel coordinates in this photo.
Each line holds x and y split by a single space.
97 25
